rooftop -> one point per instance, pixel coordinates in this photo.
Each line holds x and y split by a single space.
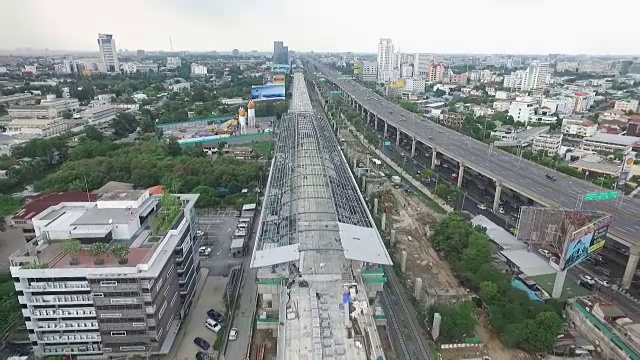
34 205
121 195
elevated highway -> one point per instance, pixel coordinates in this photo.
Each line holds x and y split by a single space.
506 170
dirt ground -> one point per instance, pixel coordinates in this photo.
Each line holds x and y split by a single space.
386 343
263 338
492 344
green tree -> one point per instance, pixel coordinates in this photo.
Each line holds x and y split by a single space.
73 247
9 205
98 250
489 292
124 124
92 133
458 321
67 115
120 251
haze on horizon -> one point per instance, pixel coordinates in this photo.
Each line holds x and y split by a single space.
463 26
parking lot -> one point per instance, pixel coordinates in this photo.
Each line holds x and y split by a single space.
217 227
210 298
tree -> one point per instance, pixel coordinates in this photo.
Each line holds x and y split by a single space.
120 251
439 93
67 115
124 124
489 292
9 205
73 247
98 250
458 321
539 335
92 133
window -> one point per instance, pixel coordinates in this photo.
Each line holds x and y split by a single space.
167 290
170 270
118 333
124 301
106 349
108 283
118 315
98 295
162 309
174 298
136 324
132 348
170 321
160 333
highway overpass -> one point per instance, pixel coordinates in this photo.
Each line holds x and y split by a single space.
506 170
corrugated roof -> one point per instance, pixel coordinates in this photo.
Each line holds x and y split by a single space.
34 205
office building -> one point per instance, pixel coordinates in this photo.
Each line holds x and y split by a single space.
609 143
99 114
513 80
579 127
38 127
197 69
108 53
18 98
536 77
626 105
369 71
385 60
32 112
280 53
549 143
120 303
173 62
421 64
523 109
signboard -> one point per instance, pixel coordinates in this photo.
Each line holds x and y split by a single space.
584 245
387 143
357 70
337 92
342 78
278 79
280 68
323 79
625 172
604 195
267 92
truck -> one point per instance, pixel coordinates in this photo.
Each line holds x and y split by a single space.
396 180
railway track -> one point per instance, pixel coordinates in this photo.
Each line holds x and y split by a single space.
411 320
395 326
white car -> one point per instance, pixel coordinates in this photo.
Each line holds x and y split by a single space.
233 334
587 279
501 210
603 283
544 253
204 251
199 232
482 206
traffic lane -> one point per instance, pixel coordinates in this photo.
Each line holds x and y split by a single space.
507 158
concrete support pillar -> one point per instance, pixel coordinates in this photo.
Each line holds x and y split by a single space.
364 183
403 261
375 206
632 265
413 147
383 221
496 199
558 285
434 157
460 174
397 137
393 237
375 121
418 289
386 128
355 163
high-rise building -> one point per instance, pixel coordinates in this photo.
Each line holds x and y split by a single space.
173 62
536 77
126 302
280 53
385 60
421 63
108 53
140 54
436 72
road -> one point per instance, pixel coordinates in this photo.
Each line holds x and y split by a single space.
515 173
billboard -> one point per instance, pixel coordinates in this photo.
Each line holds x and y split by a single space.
267 92
584 244
278 79
280 68
357 69
399 84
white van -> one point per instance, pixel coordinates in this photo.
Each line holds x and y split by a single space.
212 325
240 233
242 226
244 220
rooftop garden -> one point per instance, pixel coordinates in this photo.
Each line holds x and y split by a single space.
166 215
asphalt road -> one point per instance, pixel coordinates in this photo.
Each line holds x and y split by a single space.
514 172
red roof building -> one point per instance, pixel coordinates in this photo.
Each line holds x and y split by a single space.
34 205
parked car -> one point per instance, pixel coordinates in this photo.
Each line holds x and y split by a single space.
587 279
201 355
482 206
233 334
501 210
204 251
201 343
215 315
199 232
212 325
602 282
544 253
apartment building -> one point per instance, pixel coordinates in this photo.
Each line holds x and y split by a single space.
38 127
582 101
452 120
106 307
608 143
579 127
385 59
100 113
549 143
436 72
197 69
369 71
514 80
523 109
421 64
108 53
16 99
626 105
173 62
32 112
536 77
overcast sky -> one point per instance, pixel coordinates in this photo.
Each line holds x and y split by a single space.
457 26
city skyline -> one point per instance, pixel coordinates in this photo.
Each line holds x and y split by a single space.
254 25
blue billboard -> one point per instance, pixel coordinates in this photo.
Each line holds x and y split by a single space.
267 92
582 246
280 68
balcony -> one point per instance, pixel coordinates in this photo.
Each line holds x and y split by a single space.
71 349
58 286
60 299
85 337
67 313
97 288
67 325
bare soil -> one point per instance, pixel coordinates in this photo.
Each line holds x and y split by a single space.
386 343
492 344
263 337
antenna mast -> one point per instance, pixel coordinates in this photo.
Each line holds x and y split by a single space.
170 44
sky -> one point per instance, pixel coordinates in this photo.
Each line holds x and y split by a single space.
459 26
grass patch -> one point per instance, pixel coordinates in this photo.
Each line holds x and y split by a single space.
263 148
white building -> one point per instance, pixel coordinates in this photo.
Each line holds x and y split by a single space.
415 85
582 101
100 113
421 64
502 95
38 127
385 60
608 143
406 71
523 109
536 77
30 69
108 53
505 133
501 105
549 143
369 71
513 80
32 112
173 62
197 69
61 104
560 105
579 127
626 105
132 67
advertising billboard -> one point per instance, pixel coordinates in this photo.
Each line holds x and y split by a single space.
278 79
584 245
267 92
357 69
280 68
